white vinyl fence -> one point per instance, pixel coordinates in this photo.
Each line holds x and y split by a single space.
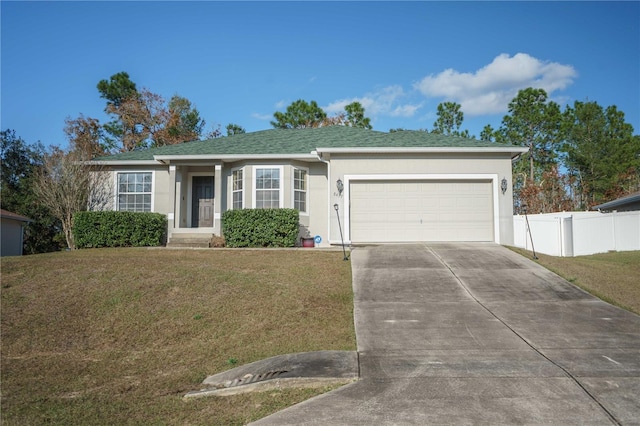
578 233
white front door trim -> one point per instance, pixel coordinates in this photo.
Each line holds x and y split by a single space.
434 176
190 176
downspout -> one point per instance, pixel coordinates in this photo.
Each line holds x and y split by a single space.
329 213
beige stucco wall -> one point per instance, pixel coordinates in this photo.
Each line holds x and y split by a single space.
321 218
425 164
314 221
161 199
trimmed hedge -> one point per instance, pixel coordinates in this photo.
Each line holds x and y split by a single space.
260 227
118 229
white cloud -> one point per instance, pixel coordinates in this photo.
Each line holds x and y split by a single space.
281 104
490 89
385 101
262 116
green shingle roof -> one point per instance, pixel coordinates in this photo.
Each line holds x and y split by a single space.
303 142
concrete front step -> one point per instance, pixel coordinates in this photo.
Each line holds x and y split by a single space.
190 240
172 244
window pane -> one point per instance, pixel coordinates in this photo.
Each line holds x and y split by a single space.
237 193
300 180
134 191
271 199
267 188
237 200
300 190
300 201
237 180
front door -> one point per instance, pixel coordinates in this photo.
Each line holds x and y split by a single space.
202 202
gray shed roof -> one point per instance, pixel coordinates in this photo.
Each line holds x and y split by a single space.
617 203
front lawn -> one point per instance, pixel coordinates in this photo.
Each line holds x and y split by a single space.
613 277
118 336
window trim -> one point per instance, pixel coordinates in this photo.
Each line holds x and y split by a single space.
280 189
241 191
293 189
116 202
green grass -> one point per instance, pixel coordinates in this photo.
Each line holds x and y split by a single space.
613 277
118 336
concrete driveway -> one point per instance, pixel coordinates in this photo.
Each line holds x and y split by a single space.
476 334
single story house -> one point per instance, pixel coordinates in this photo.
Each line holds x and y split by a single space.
12 231
627 203
351 184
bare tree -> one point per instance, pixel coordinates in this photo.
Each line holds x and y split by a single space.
66 185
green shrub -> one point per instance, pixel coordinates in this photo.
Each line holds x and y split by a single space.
260 227
119 229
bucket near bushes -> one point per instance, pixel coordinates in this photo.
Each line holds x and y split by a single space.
307 242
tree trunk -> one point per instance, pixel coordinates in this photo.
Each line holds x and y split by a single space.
67 228
531 162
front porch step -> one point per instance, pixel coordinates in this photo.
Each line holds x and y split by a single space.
190 240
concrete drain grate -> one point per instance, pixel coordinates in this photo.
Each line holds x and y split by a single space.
254 378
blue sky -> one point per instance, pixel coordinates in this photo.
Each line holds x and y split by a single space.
242 61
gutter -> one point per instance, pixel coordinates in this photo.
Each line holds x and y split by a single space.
122 163
517 150
233 157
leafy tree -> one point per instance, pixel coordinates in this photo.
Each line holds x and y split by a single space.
146 121
450 118
601 152
548 195
299 115
184 123
19 165
355 116
235 129
141 118
86 137
214 133
488 134
533 122
117 89
401 129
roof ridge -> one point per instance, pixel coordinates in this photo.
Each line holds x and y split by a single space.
273 142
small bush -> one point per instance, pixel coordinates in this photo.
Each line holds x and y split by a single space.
217 241
260 227
119 229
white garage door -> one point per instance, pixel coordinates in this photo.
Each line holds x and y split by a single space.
409 211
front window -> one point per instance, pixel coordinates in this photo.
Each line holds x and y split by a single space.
267 188
134 191
300 190
238 189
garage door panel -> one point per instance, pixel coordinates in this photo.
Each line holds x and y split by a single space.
406 211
